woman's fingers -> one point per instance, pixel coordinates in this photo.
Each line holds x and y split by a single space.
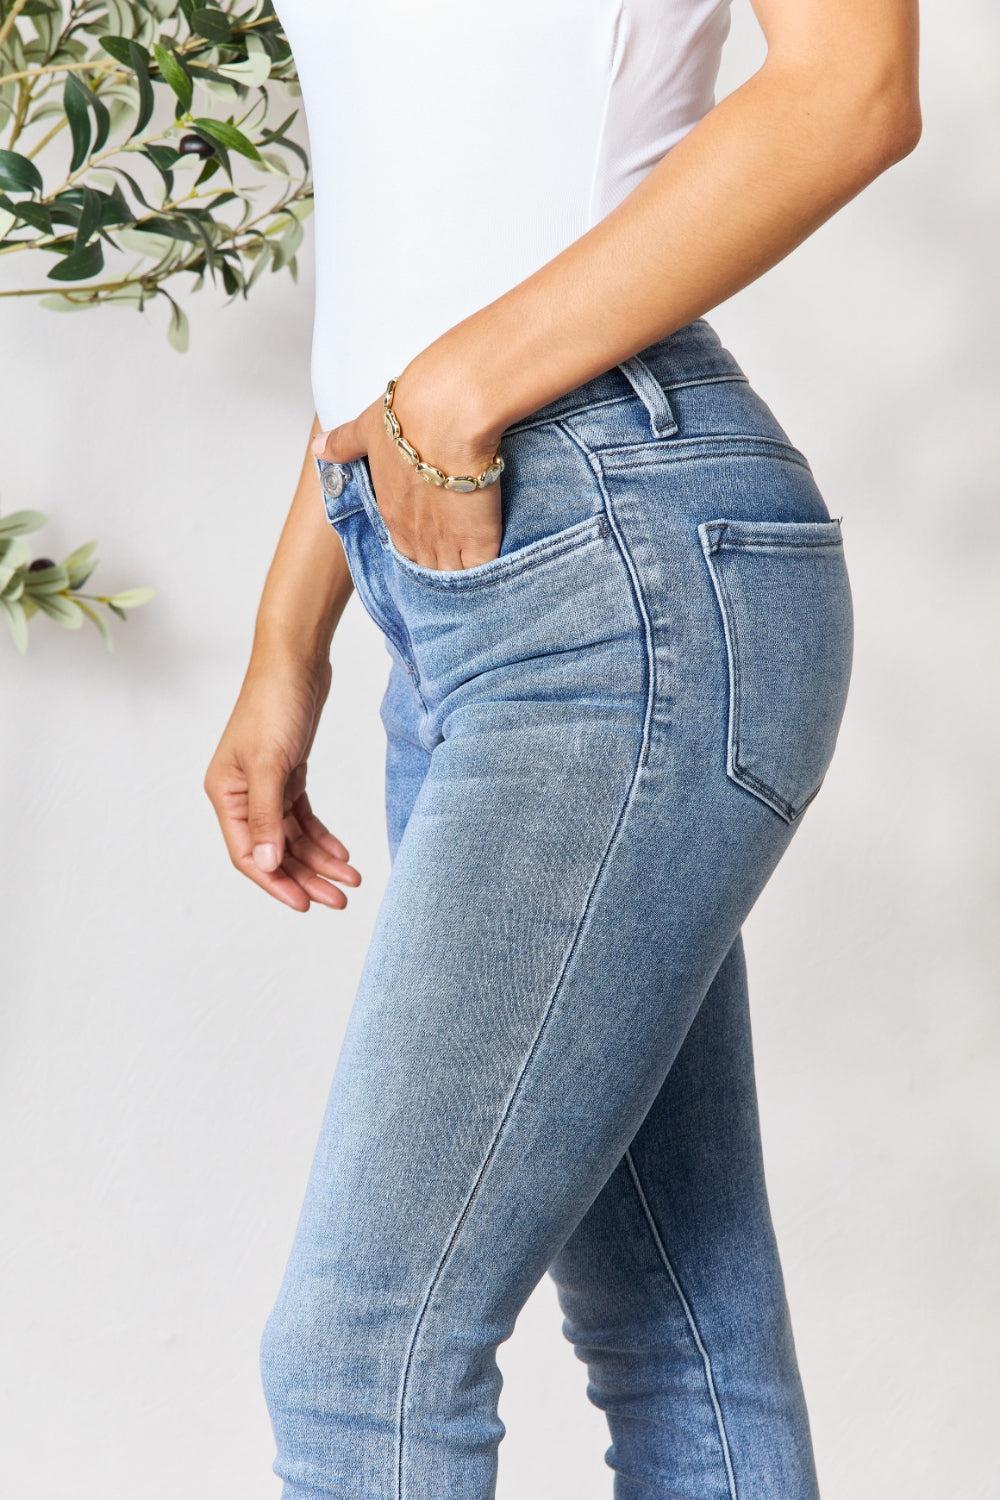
312 857
313 886
316 829
231 813
320 862
340 444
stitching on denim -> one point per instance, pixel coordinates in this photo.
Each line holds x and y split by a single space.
640 601
711 533
340 515
729 378
491 1152
558 417
680 450
773 536
662 422
400 637
570 953
689 1317
525 559
681 384
780 544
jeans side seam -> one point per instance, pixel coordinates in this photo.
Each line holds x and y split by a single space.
550 1006
661 1251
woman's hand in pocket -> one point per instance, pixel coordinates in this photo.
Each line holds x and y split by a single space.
437 528
256 783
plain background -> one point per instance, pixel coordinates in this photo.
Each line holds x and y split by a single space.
168 1035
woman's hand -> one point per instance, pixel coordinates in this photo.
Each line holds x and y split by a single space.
436 528
256 783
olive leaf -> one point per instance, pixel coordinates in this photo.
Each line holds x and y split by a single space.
41 585
145 104
18 174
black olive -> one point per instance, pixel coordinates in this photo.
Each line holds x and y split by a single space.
40 563
195 145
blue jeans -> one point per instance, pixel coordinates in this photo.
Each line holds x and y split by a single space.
600 745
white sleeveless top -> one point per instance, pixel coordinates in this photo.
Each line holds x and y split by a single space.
457 146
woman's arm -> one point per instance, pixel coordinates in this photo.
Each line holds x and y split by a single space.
257 778
834 104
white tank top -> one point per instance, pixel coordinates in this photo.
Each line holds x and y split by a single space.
457 146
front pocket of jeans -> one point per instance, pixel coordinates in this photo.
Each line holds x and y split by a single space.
785 603
508 565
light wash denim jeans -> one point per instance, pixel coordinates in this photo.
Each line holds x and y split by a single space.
600 745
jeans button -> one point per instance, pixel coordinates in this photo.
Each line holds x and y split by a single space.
333 481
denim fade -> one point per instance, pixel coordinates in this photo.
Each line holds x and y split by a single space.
599 747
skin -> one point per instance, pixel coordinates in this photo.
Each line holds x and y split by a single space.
833 106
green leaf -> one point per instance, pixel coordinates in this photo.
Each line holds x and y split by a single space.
163 159
79 264
210 23
90 217
131 598
98 620
251 72
223 133
178 333
139 58
231 279
21 521
29 212
47 580
118 48
60 302
136 189
175 73
178 227
65 611
208 170
141 242
102 120
17 621
18 174
14 558
115 210
78 114
79 563
262 261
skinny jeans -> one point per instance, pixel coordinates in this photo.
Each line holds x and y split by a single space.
599 747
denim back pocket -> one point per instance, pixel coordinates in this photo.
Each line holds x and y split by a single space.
785 601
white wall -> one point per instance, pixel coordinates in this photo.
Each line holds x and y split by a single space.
168 1035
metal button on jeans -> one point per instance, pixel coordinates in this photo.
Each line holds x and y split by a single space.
334 480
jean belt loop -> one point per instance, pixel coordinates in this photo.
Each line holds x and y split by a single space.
652 395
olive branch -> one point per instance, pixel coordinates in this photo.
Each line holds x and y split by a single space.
30 586
173 165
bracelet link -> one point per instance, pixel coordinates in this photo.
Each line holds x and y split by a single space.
462 484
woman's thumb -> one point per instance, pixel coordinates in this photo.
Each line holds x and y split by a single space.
340 444
266 793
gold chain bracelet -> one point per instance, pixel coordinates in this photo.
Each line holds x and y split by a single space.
463 483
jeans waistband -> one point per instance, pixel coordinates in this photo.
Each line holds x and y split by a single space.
691 356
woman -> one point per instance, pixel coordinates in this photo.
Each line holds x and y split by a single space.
613 692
